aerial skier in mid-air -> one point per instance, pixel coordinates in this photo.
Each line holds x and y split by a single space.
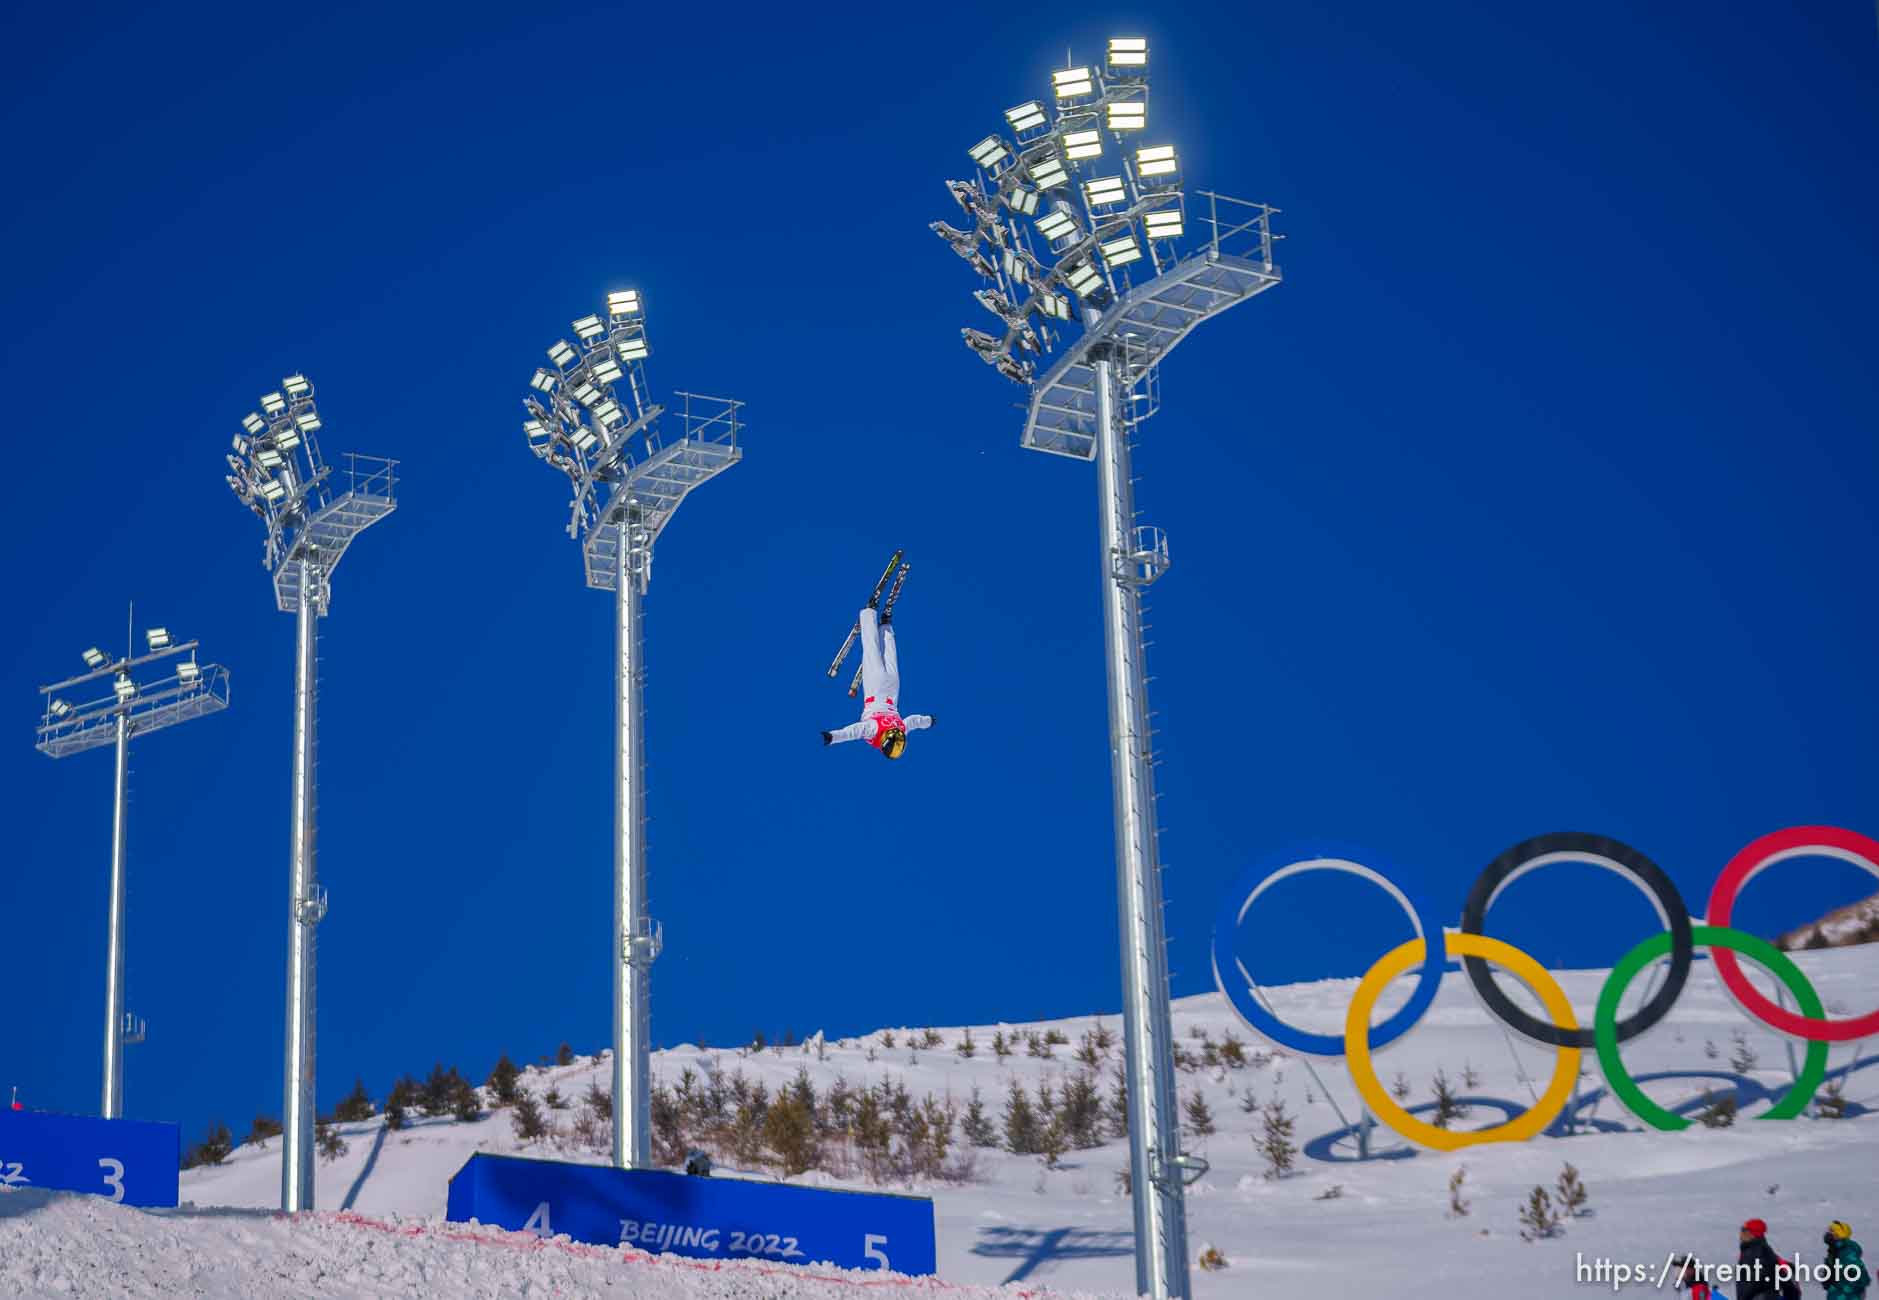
881 724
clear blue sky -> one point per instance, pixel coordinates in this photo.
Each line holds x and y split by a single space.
1538 497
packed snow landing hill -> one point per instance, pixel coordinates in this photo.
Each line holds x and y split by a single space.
1053 1218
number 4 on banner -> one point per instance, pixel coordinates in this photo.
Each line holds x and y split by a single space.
871 1244
538 1222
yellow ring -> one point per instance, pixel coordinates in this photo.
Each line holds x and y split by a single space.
1384 1107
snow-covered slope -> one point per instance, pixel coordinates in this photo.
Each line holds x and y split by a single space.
1384 1230
1854 923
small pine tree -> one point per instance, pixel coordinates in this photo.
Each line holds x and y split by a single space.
564 1055
967 1049
527 1119
1022 1130
215 1145
600 1101
978 1128
758 1042
1232 1052
1001 1046
1125 1182
1742 1058
1086 1053
1457 1205
1718 1110
1817 941
465 1104
930 1039
1052 1142
502 1081
1275 1142
1399 1086
434 1097
1056 1038
1537 1216
554 1100
1034 1045
357 1104
887 1039
1447 1108
789 1129
1830 1103
1104 1039
1470 1077
1116 1105
395 1116
327 1140
1571 1193
263 1128
1200 1120
1709 1049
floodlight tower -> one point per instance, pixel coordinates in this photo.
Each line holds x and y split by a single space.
593 418
141 700
1113 235
311 515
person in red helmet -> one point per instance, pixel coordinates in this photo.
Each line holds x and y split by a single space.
1759 1274
881 725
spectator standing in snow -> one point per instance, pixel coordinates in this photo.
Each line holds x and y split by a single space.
1756 1264
1847 1276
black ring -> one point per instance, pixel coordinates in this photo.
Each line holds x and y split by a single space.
1603 851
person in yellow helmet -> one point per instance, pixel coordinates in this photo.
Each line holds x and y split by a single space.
1847 1275
881 724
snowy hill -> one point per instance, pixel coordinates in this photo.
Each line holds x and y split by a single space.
1854 923
1338 1226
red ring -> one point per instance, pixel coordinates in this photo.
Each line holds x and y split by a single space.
1741 869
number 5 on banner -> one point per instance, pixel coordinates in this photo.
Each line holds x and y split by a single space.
871 1244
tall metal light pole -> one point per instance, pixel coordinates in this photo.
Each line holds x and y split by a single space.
1113 234
140 701
592 417
311 514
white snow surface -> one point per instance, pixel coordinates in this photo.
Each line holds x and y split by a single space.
1067 1232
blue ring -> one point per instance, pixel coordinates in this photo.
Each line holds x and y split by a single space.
1240 994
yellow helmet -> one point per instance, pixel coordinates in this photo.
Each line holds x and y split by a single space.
1839 1229
893 742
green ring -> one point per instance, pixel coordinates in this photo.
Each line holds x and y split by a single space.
1759 951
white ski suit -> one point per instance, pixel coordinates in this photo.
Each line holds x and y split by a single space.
880 687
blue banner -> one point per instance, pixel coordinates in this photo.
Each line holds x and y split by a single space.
706 1218
124 1160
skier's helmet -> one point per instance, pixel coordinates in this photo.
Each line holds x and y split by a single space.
893 742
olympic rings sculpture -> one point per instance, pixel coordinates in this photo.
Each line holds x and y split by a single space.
1678 941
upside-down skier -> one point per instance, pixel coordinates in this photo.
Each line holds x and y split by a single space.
882 724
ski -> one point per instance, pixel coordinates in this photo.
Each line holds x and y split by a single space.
855 631
887 610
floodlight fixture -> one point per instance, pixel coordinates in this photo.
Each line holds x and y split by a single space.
623 302
1163 224
1022 201
1048 173
561 354
544 380
1027 116
1084 279
589 327
1072 83
1155 161
119 699
627 482
1138 296
313 512
188 672
253 423
1057 225
1128 52
1120 251
989 152
1014 267
1127 114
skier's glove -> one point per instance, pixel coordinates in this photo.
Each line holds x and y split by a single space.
828 738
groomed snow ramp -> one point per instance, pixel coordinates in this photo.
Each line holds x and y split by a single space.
57 1244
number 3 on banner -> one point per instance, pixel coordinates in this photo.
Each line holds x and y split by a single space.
871 1244
113 1176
